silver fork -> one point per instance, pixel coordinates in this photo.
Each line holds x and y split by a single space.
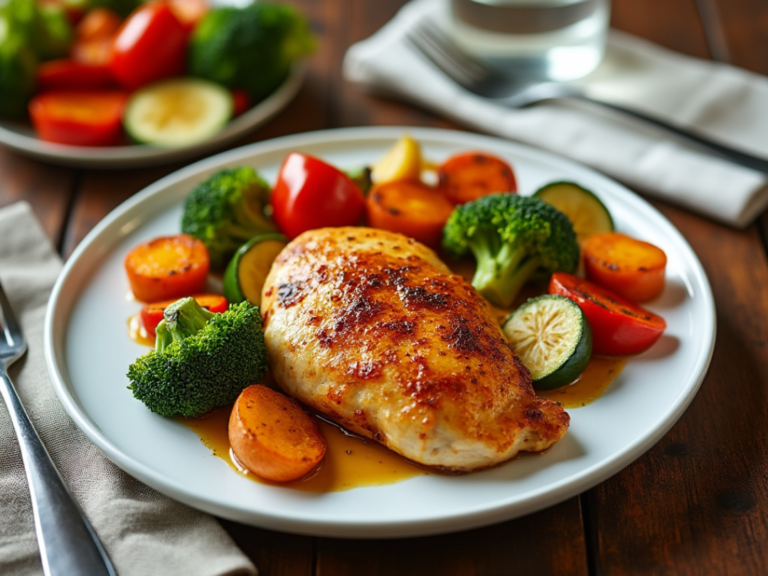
68 544
472 75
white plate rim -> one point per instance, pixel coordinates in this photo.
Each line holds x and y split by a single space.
477 515
134 156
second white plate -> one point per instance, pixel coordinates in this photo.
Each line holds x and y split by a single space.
88 354
21 137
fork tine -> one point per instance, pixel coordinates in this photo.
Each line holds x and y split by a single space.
432 43
13 334
434 56
469 65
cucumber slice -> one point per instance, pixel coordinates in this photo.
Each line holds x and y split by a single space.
585 211
177 112
552 338
248 269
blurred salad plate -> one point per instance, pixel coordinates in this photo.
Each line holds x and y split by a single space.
117 86
21 137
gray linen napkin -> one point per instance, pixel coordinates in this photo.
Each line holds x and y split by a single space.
144 532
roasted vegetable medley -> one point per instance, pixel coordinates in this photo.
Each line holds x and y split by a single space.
209 348
161 72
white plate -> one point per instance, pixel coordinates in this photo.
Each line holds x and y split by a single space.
21 137
88 353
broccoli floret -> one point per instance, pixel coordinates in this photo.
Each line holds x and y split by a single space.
226 211
201 360
45 28
53 34
250 48
28 32
512 237
18 64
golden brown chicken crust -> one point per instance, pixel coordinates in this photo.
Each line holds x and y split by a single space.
372 329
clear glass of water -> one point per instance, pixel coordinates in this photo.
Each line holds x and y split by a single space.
536 40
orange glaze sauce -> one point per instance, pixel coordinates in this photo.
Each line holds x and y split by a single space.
350 461
598 375
138 333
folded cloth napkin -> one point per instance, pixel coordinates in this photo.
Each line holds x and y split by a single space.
720 101
144 532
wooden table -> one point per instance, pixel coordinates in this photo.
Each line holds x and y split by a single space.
696 503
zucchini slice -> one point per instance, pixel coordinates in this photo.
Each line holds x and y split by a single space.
552 338
248 269
585 210
177 112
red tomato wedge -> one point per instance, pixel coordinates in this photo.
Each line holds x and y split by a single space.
471 175
241 102
152 314
79 118
619 327
411 208
66 74
312 194
150 45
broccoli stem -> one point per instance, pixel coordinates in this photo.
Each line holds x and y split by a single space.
251 217
163 338
502 273
182 319
243 232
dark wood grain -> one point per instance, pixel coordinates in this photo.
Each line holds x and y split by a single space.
713 30
47 188
274 553
538 544
357 108
745 29
671 23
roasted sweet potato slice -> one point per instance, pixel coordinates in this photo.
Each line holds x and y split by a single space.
273 437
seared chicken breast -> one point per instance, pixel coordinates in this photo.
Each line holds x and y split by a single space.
371 329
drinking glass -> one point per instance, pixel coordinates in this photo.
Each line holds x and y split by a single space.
538 40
